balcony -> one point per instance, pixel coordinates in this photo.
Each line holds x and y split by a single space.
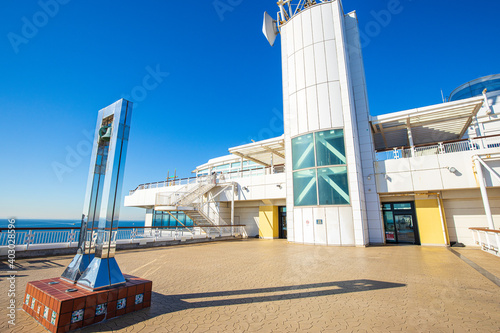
454 146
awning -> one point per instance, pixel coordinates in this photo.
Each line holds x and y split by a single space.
432 124
267 152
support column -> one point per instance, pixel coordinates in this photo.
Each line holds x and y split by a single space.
443 223
484 193
233 188
410 137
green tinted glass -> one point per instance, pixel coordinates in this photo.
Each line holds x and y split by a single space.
303 152
304 188
333 186
330 148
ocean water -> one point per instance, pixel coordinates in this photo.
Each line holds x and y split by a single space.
25 223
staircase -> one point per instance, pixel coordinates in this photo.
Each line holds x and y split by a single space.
190 201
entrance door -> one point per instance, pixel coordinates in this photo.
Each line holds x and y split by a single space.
400 223
282 222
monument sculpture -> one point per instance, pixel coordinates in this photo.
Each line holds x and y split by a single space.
92 288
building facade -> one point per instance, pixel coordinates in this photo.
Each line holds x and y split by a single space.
339 176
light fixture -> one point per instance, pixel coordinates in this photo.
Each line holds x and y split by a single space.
452 169
244 188
369 177
387 177
278 186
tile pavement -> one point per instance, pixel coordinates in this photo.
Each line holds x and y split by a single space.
273 286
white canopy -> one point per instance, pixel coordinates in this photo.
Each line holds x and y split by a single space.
432 124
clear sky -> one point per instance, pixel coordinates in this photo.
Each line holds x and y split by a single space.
60 64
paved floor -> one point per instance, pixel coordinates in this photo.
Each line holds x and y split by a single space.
273 286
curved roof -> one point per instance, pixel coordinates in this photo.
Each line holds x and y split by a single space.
475 87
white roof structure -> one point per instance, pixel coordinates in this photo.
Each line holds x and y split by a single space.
432 124
267 152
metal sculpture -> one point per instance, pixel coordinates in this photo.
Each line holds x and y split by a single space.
94 266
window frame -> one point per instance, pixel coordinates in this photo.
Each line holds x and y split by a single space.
316 168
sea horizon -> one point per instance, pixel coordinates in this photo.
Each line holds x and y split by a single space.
59 223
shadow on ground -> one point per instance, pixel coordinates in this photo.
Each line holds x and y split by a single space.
26 265
163 304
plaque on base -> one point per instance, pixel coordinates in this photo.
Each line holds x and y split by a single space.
61 306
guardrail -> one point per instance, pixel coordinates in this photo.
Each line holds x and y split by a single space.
221 178
447 147
488 239
27 239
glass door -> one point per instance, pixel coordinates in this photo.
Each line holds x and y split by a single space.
400 223
282 223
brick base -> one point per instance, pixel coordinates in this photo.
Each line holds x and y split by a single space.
61 311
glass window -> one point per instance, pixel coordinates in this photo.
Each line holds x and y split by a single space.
476 89
303 152
333 186
304 188
221 167
157 219
203 172
402 206
386 206
235 165
330 149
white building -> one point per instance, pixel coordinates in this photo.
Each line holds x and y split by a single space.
339 176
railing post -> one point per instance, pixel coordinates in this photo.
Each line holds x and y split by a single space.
28 239
441 148
472 145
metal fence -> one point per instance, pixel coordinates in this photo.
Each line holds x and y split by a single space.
488 239
221 178
441 148
38 239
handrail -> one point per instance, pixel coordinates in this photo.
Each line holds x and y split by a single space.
123 228
436 143
494 231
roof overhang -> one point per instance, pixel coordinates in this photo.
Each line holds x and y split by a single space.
432 124
267 152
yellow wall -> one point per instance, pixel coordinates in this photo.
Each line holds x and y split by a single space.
268 222
429 222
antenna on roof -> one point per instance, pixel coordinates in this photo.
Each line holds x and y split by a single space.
270 28
442 96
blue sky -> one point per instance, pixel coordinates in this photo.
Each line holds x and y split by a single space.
223 86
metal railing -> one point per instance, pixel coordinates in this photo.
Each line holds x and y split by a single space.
448 147
487 239
221 178
27 239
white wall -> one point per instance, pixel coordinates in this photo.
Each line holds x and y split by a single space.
372 216
431 173
484 124
248 214
464 209
318 95
259 188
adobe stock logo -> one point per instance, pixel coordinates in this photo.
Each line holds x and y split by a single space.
223 6
31 27
381 19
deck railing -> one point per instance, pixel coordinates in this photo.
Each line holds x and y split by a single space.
488 239
27 239
222 177
448 147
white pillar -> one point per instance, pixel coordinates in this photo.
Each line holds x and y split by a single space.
232 209
443 225
410 137
484 193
